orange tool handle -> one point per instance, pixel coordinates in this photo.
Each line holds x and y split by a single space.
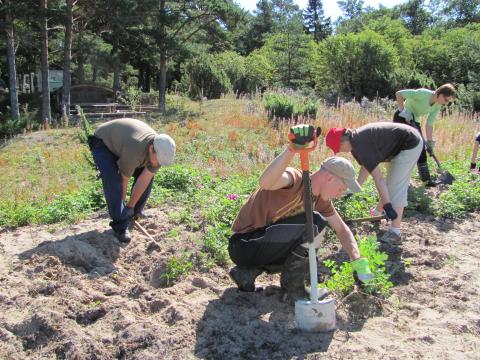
304 152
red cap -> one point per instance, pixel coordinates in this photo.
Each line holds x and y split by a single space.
333 137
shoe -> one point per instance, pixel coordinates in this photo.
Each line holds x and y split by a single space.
292 279
390 238
424 174
244 277
123 236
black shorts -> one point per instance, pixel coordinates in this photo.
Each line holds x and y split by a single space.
272 244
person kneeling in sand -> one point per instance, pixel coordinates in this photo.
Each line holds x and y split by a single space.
269 231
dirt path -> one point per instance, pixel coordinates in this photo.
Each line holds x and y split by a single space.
76 294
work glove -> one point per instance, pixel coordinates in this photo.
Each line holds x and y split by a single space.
406 114
361 270
348 194
304 135
430 145
389 211
128 213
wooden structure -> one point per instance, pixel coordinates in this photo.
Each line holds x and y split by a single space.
98 102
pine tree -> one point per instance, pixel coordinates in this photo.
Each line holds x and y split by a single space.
316 22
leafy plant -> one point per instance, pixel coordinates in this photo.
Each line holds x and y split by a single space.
342 280
176 268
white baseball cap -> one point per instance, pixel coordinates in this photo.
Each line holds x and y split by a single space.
164 147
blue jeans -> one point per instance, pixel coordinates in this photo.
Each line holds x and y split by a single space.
106 163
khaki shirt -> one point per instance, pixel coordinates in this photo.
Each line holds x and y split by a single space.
128 139
265 207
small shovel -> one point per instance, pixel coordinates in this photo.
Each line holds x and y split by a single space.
445 177
313 315
365 219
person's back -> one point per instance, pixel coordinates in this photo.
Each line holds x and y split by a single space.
379 142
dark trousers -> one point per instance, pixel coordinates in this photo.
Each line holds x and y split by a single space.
106 163
272 244
398 119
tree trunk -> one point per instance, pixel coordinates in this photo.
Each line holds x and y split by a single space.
80 57
46 112
67 58
116 67
162 84
116 75
148 76
12 72
94 73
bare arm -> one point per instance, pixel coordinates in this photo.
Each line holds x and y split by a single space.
345 235
429 132
400 100
140 186
380 185
362 175
274 176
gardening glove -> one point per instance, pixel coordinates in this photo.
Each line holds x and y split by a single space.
128 213
348 194
389 211
361 270
406 114
430 146
303 135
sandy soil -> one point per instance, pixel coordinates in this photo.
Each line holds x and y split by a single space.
75 293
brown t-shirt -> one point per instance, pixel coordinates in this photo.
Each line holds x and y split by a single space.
379 142
128 139
265 207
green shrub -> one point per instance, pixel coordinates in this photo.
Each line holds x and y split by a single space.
176 268
281 105
342 280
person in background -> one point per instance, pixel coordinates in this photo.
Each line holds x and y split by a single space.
122 149
415 103
269 231
397 144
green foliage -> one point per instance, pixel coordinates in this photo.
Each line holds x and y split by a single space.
133 97
342 280
68 207
462 197
202 77
356 65
284 106
85 128
27 121
180 179
176 268
292 57
233 65
216 242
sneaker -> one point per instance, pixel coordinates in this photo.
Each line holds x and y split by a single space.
123 237
244 277
390 238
